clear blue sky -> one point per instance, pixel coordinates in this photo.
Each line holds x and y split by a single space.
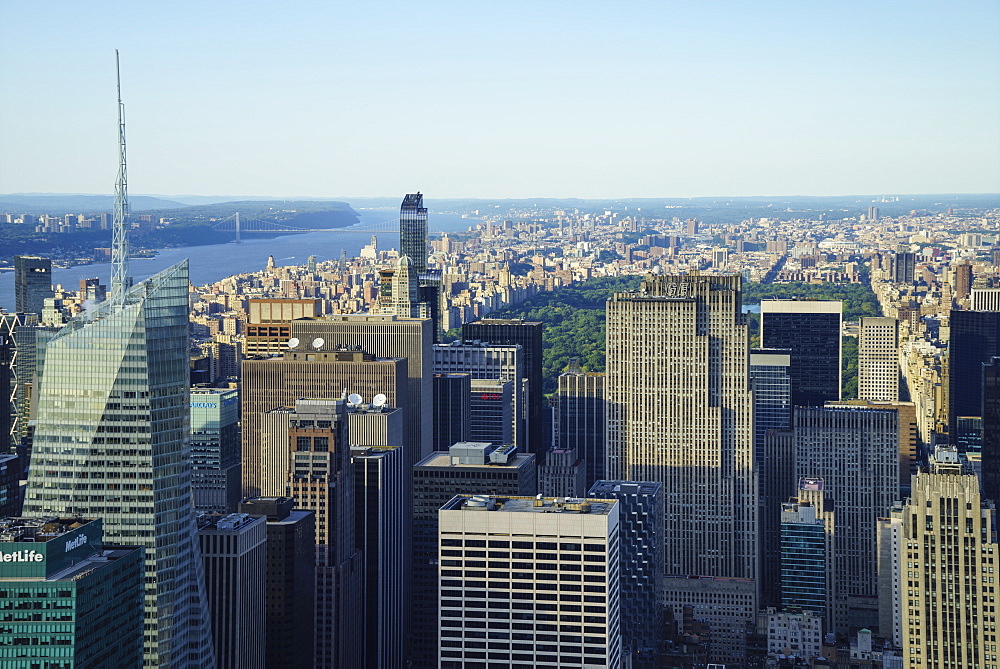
503 99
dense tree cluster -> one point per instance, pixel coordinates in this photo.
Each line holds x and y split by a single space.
575 328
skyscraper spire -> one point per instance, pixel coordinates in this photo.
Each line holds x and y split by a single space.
119 246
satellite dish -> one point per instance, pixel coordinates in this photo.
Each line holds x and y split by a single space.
293 342
318 342
379 400
354 398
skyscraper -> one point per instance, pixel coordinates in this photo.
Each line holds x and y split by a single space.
975 340
413 231
32 283
679 412
291 581
936 555
115 387
772 411
529 335
235 556
878 359
321 479
69 600
388 337
580 419
551 542
215 449
452 398
640 530
269 384
991 430
476 468
487 361
854 450
805 555
810 329
381 517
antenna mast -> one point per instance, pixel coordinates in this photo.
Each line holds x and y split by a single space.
120 280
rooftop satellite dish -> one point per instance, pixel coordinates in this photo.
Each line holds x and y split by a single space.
318 342
293 342
354 398
379 400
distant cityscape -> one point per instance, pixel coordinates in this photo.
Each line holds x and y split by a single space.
349 463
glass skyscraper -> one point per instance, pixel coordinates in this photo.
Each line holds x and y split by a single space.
413 231
111 442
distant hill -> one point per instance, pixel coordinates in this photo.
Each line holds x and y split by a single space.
41 203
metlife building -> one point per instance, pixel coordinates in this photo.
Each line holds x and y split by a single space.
66 599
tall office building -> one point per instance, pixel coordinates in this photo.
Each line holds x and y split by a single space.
580 419
772 409
904 267
115 386
291 581
321 479
477 468
991 431
487 361
684 338
854 450
491 411
10 485
317 369
68 599
234 553
389 337
640 547
403 299
975 340
269 323
529 335
563 582
381 517
413 231
937 552
564 474
878 359
8 398
810 329
215 449
452 397
18 357
806 553
32 283
963 280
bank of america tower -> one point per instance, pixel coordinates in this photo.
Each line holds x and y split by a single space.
112 442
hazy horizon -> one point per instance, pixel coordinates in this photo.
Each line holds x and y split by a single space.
577 99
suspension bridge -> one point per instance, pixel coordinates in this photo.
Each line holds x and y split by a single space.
242 225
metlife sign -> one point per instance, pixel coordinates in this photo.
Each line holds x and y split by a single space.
22 556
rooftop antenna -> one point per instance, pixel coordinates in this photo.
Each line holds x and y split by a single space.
120 281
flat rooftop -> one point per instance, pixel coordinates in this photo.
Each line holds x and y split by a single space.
38 529
625 488
442 460
568 505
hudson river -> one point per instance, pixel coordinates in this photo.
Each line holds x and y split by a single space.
215 262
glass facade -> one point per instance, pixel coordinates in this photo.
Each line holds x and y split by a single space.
215 449
67 601
413 231
803 567
112 442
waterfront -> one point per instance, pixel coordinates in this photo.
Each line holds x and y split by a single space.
217 261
